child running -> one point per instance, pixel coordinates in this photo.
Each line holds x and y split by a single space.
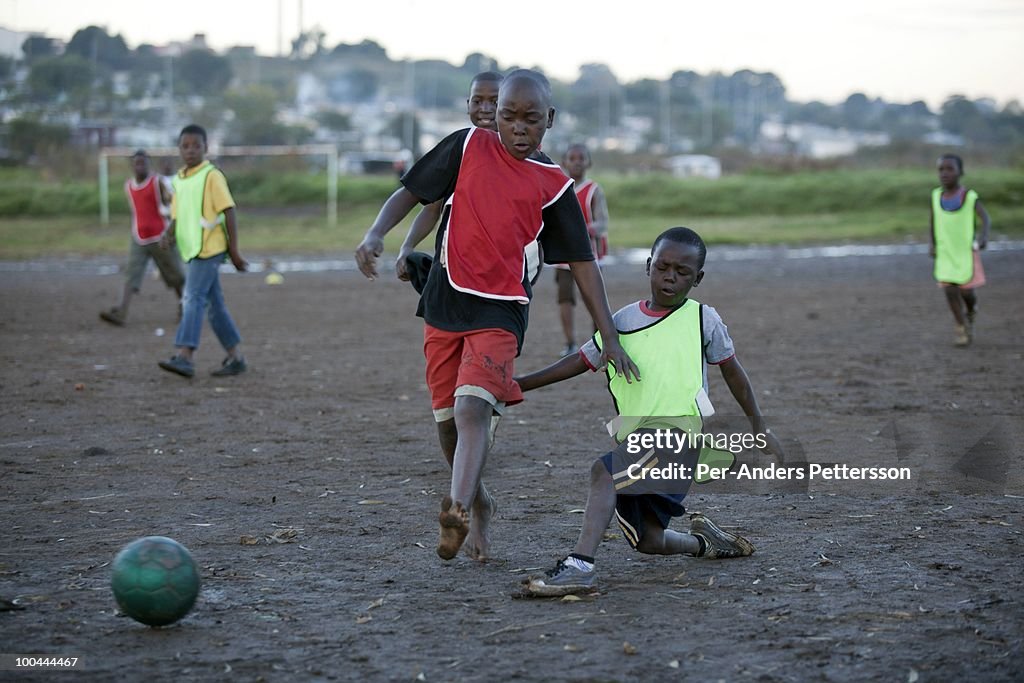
203 224
576 162
147 200
672 338
956 243
476 297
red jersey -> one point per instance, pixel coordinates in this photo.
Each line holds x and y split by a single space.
495 214
148 223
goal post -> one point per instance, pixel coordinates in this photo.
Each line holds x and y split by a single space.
328 151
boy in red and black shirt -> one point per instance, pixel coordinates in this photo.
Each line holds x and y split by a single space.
476 299
148 199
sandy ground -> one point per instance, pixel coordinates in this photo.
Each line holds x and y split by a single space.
330 436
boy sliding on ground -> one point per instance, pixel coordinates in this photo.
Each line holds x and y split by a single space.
671 337
476 297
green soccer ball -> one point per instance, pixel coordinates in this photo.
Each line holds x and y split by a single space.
155 580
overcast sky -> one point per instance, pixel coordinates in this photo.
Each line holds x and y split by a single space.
902 50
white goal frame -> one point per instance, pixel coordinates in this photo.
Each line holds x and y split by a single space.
329 151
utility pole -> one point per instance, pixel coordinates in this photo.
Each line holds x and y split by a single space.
169 111
409 129
666 122
280 29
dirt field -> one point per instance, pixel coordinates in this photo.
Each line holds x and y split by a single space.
330 435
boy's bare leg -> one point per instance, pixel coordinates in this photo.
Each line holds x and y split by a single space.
659 541
472 422
971 301
600 508
565 312
956 303
478 542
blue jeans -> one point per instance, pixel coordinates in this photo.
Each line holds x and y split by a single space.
203 294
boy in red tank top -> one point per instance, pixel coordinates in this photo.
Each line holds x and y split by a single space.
576 162
476 296
148 200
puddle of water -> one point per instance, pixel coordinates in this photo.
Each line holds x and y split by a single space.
626 256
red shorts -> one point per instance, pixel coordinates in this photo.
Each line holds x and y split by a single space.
474 363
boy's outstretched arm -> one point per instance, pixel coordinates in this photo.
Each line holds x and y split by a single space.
394 210
588 279
422 226
570 366
739 384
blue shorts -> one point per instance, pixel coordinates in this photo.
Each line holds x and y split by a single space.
639 500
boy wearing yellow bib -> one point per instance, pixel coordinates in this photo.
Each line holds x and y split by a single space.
956 243
672 339
203 227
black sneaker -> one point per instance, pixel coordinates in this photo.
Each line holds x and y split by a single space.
178 365
564 579
719 544
231 367
114 316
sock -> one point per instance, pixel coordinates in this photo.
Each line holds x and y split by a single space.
581 562
703 545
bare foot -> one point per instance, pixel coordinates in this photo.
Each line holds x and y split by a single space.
454 527
478 542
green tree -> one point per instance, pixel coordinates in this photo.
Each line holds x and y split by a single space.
255 110
857 111
202 72
38 47
597 98
367 48
68 78
309 44
30 138
92 43
334 120
962 116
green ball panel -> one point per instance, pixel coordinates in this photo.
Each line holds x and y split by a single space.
155 580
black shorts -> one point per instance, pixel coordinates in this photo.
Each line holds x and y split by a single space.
637 499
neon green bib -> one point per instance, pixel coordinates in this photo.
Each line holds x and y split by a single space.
670 355
954 239
189 222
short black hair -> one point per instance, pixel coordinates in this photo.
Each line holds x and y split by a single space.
529 74
957 159
193 129
140 153
580 146
487 77
683 236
